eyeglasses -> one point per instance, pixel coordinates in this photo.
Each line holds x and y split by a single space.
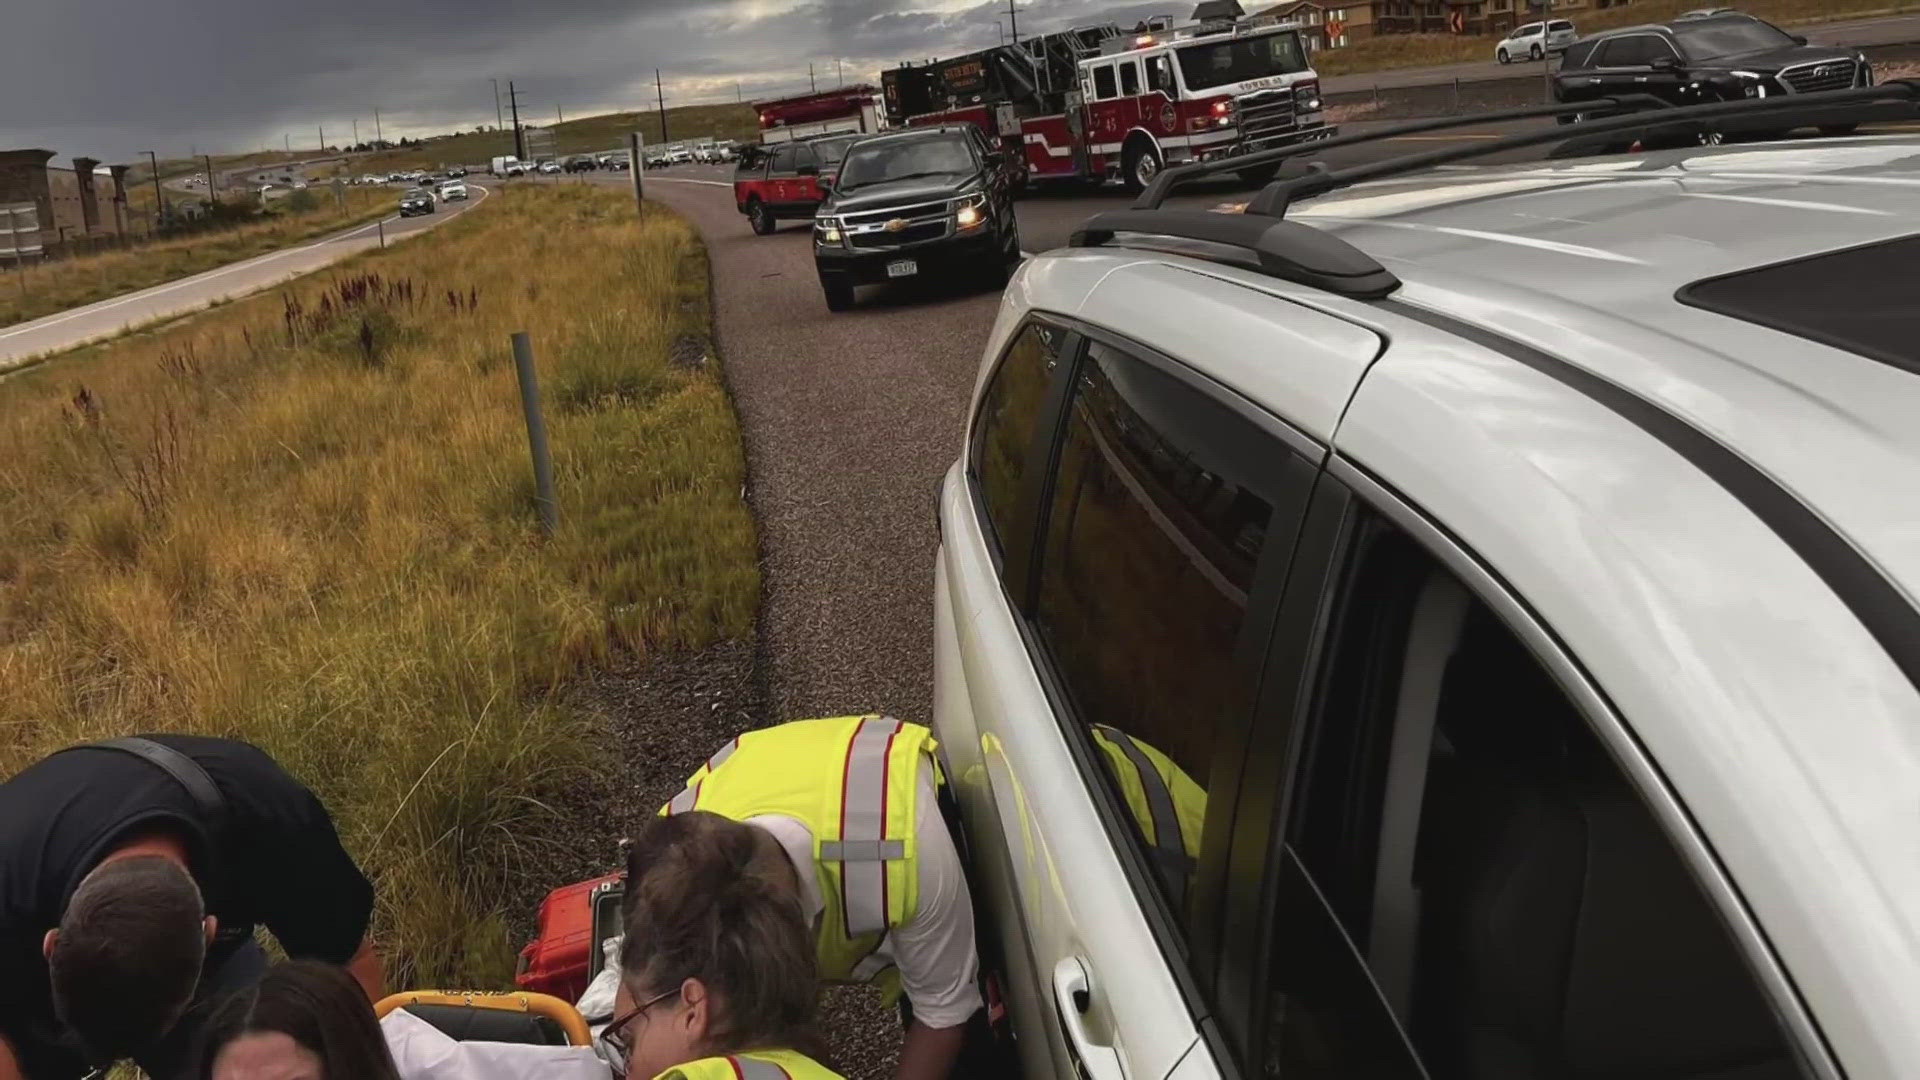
614 1043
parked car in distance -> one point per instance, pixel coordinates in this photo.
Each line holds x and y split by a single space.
1722 57
1534 40
452 191
416 202
578 163
619 163
457 172
549 167
919 200
1359 656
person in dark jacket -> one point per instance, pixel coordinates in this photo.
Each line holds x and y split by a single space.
132 876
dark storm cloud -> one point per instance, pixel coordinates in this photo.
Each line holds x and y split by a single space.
110 78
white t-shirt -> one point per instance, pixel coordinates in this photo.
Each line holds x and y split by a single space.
933 950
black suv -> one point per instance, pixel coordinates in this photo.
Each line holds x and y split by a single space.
910 202
1716 57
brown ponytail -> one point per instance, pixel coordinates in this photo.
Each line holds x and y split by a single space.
712 899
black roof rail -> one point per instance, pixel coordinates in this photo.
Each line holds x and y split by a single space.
1169 179
1318 179
1284 249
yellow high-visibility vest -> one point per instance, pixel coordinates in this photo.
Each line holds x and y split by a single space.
853 781
753 1065
1168 806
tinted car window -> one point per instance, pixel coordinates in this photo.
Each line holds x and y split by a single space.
880 160
1528 30
1638 50
1503 886
1559 26
1710 38
1103 82
783 159
1129 79
1578 55
1003 427
1152 536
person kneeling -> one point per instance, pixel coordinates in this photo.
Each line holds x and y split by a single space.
718 977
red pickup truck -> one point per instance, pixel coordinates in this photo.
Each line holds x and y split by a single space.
782 181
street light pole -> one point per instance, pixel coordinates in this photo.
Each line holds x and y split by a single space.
660 96
1013 21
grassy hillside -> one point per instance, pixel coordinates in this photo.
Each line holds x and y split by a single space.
305 519
70 283
592 133
1421 50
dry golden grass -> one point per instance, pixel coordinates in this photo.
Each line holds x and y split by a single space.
1422 50
70 283
305 519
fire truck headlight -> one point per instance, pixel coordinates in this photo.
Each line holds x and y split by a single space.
1223 108
970 213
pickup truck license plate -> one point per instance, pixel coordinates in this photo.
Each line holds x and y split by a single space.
902 268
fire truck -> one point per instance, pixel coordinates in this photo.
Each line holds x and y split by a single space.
846 109
1099 103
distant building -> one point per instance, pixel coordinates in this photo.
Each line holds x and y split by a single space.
86 200
1331 24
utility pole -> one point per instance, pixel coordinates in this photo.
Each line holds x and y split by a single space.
376 127
660 96
323 138
356 131
519 140
210 184
498 120
286 143
838 78
738 95
811 85
558 119
159 198
1013 22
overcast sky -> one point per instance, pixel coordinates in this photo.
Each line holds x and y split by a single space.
112 78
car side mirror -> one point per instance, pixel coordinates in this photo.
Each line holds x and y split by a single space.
1799 39
808 170
1665 63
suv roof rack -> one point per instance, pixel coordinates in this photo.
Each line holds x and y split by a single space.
1301 253
1169 179
1284 249
1317 179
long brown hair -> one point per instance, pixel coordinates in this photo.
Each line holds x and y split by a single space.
319 1006
712 899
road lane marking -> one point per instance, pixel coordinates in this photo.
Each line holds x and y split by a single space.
209 275
690 180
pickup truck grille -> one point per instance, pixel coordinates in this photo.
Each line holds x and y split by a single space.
924 221
1266 115
912 234
1813 78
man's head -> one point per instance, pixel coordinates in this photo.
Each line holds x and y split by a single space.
127 954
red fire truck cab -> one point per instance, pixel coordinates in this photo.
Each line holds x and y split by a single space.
829 112
1098 103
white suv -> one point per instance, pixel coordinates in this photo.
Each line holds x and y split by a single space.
1499 665
1531 41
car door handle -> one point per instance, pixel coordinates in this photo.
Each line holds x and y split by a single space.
1639 78
1071 995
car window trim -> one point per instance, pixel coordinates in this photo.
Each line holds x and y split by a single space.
1603 719
1186 950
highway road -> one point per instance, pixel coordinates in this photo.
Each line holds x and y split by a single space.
55 333
1886 30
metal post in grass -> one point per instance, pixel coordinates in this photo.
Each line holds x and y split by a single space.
536 433
637 165
382 226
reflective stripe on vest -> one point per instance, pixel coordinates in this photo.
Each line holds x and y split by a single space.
1169 851
863 849
752 1065
853 781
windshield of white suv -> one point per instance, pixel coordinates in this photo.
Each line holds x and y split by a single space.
1707 39
1239 59
882 160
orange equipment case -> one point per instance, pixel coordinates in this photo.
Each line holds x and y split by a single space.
566 954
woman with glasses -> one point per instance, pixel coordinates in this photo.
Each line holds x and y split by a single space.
718 976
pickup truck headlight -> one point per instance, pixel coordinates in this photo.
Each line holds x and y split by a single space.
970 213
826 230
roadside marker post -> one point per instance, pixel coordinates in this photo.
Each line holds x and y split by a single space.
536 433
637 165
